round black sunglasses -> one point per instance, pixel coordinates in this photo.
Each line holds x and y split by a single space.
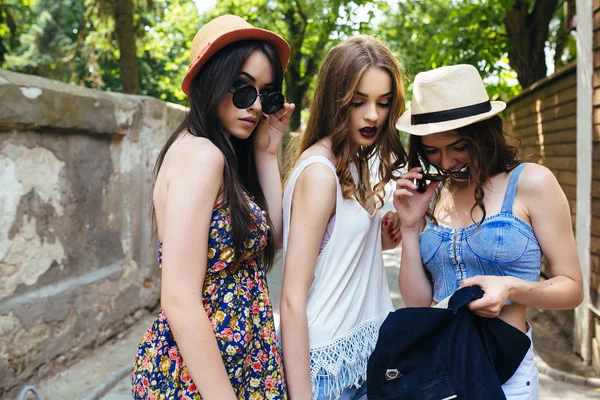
245 95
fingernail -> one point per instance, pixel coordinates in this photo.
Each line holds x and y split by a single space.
385 222
395 240
391 236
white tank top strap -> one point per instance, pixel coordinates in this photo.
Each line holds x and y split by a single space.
289 192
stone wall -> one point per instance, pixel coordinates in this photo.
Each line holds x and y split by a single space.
77 258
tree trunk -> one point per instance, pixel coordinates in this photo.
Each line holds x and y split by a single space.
295 88
561 41
528 34
564 31
130 76
296 96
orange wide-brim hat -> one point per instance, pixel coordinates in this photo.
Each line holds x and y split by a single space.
225 30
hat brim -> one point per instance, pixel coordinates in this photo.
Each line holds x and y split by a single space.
281 47
404 123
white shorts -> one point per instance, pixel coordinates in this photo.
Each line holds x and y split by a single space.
524 384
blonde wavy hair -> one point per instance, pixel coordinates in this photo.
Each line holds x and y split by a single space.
330 108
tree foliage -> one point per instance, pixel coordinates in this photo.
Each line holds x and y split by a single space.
427 34
15 19
527 29
47 47
76 41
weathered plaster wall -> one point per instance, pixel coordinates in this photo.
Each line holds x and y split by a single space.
77 261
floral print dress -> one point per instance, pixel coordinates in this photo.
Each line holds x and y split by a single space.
236 300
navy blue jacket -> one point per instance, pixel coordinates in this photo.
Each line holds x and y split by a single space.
434 353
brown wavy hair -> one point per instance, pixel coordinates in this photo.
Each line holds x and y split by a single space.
337 83
489 154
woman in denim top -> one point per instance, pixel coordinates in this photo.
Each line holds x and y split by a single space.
489 217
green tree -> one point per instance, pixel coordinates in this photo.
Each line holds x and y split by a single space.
504 39
561 38
163 31
163 51
75 41
130 74
527 25
47 46
52 46
15 19
428 34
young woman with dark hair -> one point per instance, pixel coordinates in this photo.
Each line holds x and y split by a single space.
490 216
217 203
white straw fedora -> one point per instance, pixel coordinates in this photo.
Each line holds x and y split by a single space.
447 98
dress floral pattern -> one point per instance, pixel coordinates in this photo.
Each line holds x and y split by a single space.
236 300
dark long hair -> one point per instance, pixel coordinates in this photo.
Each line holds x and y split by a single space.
240 177
489 154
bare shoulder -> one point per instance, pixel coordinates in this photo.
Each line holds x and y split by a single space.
537 185
192 154
317 183
321 148
318 176
536 178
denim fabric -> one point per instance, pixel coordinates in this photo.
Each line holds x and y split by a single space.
444 353
502 245
350 393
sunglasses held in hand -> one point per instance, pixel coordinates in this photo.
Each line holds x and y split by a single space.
245 95
440 176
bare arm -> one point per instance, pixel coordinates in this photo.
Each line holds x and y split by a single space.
414 284
266 142
415 287
312 204
190 200
551 222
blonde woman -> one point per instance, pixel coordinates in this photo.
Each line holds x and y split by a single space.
335 294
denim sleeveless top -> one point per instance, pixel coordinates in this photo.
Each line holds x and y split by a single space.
502 245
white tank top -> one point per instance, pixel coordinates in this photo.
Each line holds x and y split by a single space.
349 297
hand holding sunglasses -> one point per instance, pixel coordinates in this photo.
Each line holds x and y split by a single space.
244 96
269 133
409 202
439 176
